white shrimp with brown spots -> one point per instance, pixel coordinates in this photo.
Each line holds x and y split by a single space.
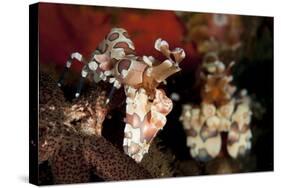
115 61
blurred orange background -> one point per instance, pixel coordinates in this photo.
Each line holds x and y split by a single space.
64 29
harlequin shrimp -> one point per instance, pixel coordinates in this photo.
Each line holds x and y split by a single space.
219 111
115 61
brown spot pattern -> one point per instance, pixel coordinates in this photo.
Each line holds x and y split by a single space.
125 46
206 133
121 45
126 35
113 36
191 132
124 64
